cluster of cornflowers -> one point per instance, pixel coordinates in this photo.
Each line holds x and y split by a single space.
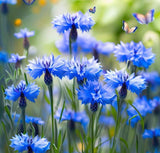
86 72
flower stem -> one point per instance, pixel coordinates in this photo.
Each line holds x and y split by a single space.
92 132
23 119
52 110
117 124
70 47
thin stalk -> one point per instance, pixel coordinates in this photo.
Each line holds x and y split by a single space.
92 132
117 125
23 119
52 110
74 94
69 141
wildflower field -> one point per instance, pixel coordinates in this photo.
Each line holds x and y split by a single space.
79 76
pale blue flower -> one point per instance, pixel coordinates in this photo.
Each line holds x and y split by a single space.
51 65
136 53
79 20
25 143
16 58
13 2
30 91
24 33
95 92
84 69
121 79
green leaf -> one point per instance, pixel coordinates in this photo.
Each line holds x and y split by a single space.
124 142
59 139
25 77
142 120
55 148
132 118
62 111
69 93
46 99
2 87
9 115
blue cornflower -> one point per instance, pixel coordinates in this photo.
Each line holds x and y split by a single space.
95 93
121 79
89 44
155 103
72 117
8 1
28 119
25 143
86 44
22 91
48 65
107 120
24 33
135 53
3 57
143 106
15 58
152 78
4 5
150 133
85 69
65 22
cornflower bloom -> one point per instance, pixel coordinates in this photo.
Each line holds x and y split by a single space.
35 121
48 65
73 22
155 103
86 44
3 57
28 119
25 143
89 44
135 53
72 117
24 33
15 58
152 133
95 93
115 79
84 70
143 106
22 91
4 3
152 78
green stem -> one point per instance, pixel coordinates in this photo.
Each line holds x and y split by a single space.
69 141
74 94
23 119
52 110
92 132
117 124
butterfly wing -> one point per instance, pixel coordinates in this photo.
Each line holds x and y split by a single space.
125 26
29 2
149 16
132 30
92 10
140 18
